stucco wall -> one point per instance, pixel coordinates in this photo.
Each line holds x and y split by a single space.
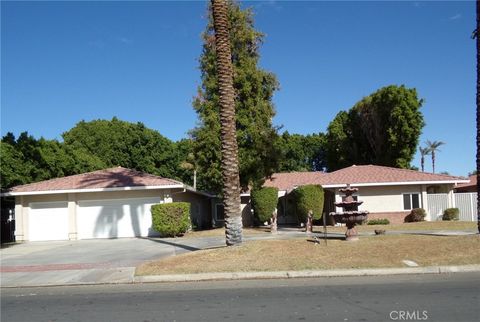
393 217
384 199
201 215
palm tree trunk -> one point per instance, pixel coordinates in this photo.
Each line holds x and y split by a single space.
433 161
478 115
230 173
422 161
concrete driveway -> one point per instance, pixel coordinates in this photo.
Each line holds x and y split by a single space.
88 261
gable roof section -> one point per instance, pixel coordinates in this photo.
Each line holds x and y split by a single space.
113 179
290 180
379 175
360 175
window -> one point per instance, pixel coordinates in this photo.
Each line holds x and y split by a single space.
219 212
411 201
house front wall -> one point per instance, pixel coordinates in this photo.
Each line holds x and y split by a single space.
388 201
201 208
23 205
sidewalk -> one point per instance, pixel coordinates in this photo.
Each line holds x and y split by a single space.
114 261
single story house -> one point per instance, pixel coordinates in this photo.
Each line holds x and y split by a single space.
107 203
468 187
116 202
386 192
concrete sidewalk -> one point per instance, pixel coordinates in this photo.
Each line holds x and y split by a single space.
113 261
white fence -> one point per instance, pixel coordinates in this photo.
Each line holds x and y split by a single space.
437 203
465 202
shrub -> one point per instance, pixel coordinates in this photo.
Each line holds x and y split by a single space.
450 214
416 215
379 221
264 202
171 219
309 197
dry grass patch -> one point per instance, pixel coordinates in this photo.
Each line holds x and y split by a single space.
300 254
425 225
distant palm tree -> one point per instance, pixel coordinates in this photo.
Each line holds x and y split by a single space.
230 172
433 147
423 153
475 35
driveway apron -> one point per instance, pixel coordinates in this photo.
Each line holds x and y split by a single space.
87 261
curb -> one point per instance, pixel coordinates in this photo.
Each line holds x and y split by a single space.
264 275
304 274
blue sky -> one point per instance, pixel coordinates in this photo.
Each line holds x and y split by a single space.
62 62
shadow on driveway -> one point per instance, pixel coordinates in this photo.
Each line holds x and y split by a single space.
164 242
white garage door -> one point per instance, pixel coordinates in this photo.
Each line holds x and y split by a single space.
48 221
115 218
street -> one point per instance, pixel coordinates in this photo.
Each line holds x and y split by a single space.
445 297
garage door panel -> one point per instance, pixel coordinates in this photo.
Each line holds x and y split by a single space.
48 221
115 218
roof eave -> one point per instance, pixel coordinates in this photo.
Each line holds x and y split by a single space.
51 192
403 183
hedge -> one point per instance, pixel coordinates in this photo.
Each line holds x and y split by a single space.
379 221
416 215
450 214
264 202
309 197
171 219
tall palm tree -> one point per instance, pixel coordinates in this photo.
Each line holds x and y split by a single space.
423 152
230 173
433 147
475 35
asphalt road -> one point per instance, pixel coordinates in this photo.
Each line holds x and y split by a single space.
446 297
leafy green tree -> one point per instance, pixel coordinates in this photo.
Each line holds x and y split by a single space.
29 160
120 143
14 170
187 164
302 152
341 146
256 136
383 129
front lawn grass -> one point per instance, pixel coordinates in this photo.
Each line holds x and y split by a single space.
426 225
302 254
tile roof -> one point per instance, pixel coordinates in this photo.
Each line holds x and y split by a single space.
290 180
472 183
356 174
380 174
109 178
